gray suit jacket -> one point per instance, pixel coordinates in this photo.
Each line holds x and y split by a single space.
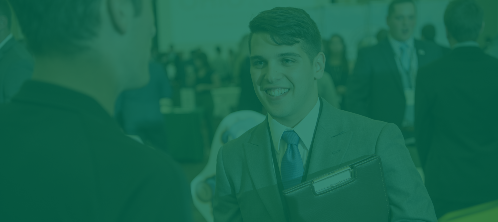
246 184
16 66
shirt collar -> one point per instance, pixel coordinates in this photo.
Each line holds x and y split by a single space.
397 44
305 129
63 98
5 41
466 44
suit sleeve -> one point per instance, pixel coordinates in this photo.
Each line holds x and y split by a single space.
423 119
408 197
226 207
359 86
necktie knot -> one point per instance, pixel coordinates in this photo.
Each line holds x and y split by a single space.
290 137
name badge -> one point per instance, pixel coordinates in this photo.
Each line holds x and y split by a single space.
410 97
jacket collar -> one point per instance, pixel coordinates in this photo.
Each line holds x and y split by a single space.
46 94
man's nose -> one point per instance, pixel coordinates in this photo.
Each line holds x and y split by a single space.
273 74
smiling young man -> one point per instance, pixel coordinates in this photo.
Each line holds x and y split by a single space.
304 134
62 155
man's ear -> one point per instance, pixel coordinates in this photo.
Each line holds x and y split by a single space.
121 13
319 66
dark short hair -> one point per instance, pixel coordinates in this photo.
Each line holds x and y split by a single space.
59 26
463 20
392 5
429 32
288 26
5 11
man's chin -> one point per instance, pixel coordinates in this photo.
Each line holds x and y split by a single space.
276 112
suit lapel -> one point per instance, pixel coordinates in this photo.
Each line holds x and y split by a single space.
260 163
390 59
421 54
331 140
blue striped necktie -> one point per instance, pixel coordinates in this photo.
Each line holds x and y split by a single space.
292 163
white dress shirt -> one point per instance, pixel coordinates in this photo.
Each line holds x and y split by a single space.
412 51
304 129
408 77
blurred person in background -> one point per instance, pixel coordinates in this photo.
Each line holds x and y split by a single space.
205 80
428 34
221 66
337 63
456 116
16 64
326 85
327 90
62 155
382 85
240 58
247 99
138 110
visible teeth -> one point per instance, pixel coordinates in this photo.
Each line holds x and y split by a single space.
276 92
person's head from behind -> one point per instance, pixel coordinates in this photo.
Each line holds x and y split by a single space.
117 32
286 60
336 46
429 33
5 19
402 19
464 21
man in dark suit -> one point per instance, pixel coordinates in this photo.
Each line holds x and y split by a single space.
16 65
456 116
286 62
62 155
382 84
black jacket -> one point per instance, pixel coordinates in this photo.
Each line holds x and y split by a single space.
457 126
63 158
375 89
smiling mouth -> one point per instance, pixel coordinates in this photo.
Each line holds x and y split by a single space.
276 92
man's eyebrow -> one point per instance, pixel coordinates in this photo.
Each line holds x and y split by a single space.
256 57
291 54
286 54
